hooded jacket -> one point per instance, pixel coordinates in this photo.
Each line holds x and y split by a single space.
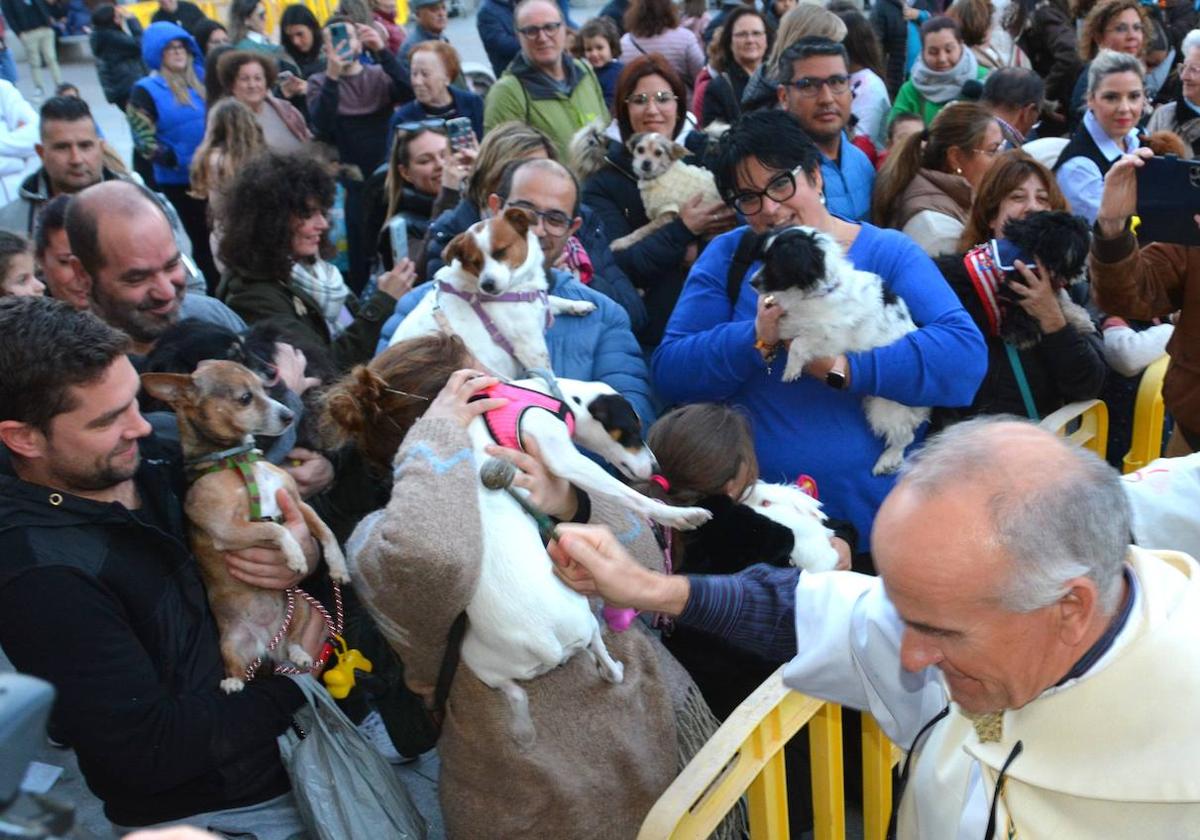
528 95
107 605
178 128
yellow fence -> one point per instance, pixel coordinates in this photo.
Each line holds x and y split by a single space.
745 756
220 11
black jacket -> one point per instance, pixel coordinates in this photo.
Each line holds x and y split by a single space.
24 16
119 62
107 604
723 96
1049 40
887 16
1063 367
186 14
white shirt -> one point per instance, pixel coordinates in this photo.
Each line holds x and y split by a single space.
871 105
1080 177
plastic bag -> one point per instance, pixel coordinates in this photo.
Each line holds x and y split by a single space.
343 787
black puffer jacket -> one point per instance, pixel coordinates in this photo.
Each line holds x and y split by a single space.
1063 367
1049 40
118 59
107 604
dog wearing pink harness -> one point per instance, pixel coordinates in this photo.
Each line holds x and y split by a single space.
505 423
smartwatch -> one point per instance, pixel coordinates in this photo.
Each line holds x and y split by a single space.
836 378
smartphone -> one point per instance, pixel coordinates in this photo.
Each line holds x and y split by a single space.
285 76
339 36
398 237
461 134
1168 196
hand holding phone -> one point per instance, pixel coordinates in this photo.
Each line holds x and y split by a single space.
398 238
461 133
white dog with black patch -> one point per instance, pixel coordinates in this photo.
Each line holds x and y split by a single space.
831 308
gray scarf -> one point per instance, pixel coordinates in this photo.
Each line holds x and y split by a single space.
941 86
324 284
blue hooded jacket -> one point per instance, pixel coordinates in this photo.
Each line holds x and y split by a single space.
179 127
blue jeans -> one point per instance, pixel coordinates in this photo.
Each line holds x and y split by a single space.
8 67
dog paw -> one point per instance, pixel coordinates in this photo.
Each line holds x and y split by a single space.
614 673
296 561
888 463
299 656
684 519
336 564
232 685
580 307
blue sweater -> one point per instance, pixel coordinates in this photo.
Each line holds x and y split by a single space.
806 427
594 348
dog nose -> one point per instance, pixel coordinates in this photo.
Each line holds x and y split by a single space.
286 415
488 286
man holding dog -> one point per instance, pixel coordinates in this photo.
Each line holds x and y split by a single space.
1010 643
103 599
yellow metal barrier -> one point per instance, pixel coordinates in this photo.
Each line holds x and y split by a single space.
1092 431
1146 442
745 756
219 10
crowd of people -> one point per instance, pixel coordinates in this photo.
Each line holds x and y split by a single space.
293 194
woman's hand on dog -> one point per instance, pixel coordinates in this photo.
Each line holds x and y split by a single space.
590 560
766 320
706 219
548 493
1038 298
311 471
1119 200
290 364
399 281
453 401
267 567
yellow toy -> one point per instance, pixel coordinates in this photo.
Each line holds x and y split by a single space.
340 678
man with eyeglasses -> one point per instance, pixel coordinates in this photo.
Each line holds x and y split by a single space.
599 347
814 87
495 22
544 87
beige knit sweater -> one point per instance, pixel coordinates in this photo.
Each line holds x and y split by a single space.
603 753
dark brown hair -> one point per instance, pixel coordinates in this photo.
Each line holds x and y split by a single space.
702 447
231 63
376 404
641 67
647 18
1010 170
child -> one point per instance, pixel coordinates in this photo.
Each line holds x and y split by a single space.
16 267
902 125
601 45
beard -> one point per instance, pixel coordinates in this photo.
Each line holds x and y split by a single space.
103 473
138 322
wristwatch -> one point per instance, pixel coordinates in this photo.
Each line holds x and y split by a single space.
836 377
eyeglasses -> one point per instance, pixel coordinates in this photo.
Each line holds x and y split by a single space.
175 45
555 222
660 97
532 32
779 189
989 152
1126 28
421 125
1189 70
809 86
746 36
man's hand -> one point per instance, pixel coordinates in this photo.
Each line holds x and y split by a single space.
547 492
1036 296
590 560
1119 200
311 470
313 637
267 568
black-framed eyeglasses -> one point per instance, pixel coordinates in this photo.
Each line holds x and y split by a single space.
779 189
810 86
555 222
432 124
659 97
545 29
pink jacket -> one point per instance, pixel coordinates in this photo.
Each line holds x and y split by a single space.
678 46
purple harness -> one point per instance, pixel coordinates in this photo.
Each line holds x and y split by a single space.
477 299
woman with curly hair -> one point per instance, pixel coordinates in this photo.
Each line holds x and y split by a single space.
652 26
276 235
1118 25
248 76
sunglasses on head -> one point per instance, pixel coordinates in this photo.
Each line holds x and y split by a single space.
421 125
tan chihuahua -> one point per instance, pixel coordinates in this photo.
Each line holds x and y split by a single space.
232 506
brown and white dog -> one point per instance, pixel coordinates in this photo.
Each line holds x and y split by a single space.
220 407
493 294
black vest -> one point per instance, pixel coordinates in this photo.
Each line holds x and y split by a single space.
1082 145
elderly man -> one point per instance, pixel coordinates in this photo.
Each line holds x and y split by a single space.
543 86
429 24
1014 95
598 346
1011 643
814 87
123 253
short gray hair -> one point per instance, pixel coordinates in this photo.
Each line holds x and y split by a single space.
1072 521
1109 62
1191 41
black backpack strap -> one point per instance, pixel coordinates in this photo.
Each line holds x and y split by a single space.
744 255
449 666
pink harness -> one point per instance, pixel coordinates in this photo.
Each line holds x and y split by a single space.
504 423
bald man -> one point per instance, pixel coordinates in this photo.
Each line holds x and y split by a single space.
125 255
1040 671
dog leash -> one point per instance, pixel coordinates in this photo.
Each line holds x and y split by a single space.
476 300
335 629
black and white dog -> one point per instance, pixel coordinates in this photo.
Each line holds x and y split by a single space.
830 308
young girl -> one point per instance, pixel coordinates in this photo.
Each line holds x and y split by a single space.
601 47
16 267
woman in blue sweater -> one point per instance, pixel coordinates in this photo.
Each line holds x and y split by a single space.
729 351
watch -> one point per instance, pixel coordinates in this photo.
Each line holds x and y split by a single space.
836 377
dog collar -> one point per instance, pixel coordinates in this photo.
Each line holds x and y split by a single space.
476 300
240 459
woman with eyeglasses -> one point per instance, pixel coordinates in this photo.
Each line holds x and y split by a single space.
649 97
1061 358
1117 25
926 186
248 25
1182 115
275 247
804 21
722 342
1116 98
652 26
743 44
421 180
433 65
938 76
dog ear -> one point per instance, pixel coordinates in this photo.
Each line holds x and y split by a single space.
519 219
620 421
679 151
631 143
171 388
465 249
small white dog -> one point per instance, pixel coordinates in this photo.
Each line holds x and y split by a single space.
830 308
791 507
492 293
523 621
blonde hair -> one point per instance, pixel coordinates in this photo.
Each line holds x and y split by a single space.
502 145
182 83
805 21
231 138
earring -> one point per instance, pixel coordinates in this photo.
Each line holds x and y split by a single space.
822 199
958 170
